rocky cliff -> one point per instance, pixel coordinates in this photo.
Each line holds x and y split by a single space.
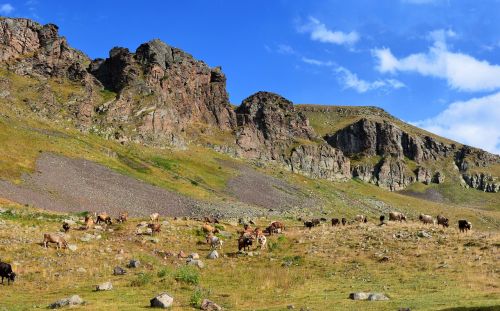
270 129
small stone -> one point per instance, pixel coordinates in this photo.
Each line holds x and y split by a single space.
134 263
377 297
213 255
72 247
195 262
209 305
70 301
181 254
424 234
119 271
359 296
163 300
81 270
104 286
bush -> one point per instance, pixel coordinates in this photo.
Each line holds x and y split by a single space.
196 297
162 273
188 275
141 280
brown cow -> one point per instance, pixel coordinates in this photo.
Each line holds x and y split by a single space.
426 219
103 218
155 228
443 221
122 218
276 227
397 216
54 238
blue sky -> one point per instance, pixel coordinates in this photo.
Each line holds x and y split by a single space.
435 63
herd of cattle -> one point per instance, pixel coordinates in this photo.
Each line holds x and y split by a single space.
247 236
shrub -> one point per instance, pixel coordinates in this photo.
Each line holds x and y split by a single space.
188 275
162 273
141 280
196 297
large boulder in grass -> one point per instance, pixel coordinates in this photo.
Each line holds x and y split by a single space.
163 300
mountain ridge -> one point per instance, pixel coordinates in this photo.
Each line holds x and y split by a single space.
161 96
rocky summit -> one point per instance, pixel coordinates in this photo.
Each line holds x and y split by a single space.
161 96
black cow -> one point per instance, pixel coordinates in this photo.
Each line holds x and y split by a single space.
464 225
382 218
244 242
308 224
6 272
344 221
335 222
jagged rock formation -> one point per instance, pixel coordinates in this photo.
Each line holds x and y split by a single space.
481 181
165 91
31 49
269 128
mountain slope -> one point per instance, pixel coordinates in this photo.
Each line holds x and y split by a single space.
160 116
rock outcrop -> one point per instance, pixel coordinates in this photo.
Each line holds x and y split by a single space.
269 128
32 49
268 124
165 91
369 138
481 181
320 161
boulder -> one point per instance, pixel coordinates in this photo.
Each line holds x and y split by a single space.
359 296
377 297
104 287
163 300
119 271
213 255
209 305
134 263
194 256
195 262
74 300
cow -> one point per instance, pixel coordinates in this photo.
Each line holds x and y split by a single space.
244 242
54 238
344 221
214 241
262 240
65 227
155 217
316 221
426 219
464 225
103 218
275 227
6 272
382 218
335 222
89 222
443 221
209 229
123 217
397 216
155 228
360 218
308 224
322 219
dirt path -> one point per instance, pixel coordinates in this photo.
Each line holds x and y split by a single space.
75 185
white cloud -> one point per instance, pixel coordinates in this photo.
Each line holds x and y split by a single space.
319 32
285 49
473 122
351 81
461 71
6 8
312 61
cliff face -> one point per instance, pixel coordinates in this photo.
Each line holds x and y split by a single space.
269 128
165 91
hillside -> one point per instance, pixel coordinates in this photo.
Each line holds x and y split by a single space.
152 130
